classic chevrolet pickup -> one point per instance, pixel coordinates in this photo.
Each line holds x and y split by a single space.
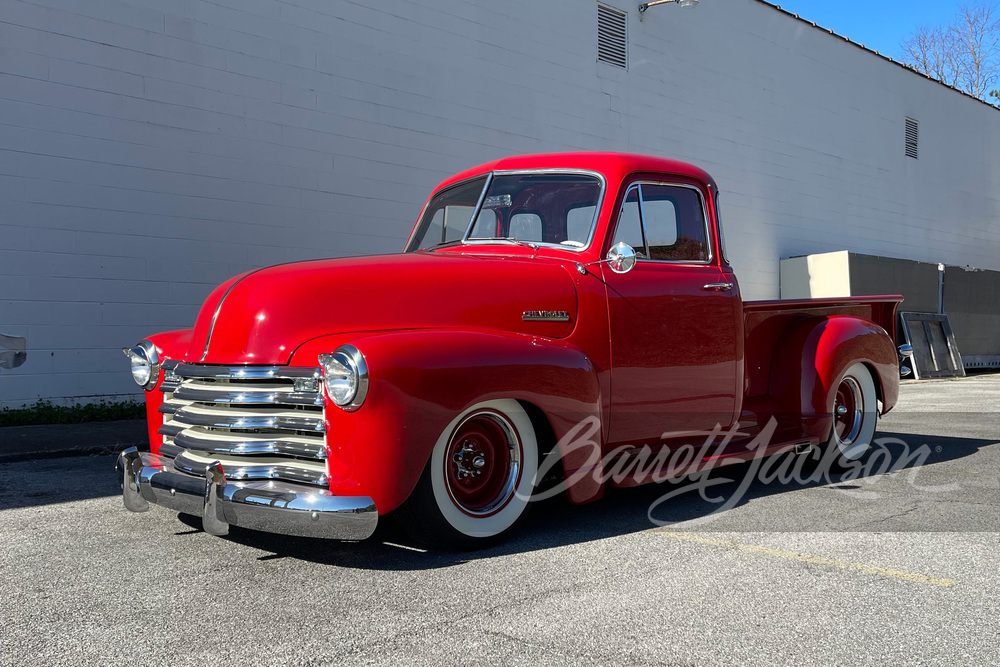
536 295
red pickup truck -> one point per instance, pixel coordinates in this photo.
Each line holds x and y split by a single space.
535 294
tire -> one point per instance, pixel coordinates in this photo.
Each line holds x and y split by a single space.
855 413
478 481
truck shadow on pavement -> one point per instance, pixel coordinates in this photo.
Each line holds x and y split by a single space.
834 505
57 480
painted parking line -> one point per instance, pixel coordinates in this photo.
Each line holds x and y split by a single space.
815 560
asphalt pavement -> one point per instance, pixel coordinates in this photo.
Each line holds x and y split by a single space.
41 441
885 567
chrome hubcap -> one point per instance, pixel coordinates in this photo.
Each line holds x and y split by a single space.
848 410
483 463
462 457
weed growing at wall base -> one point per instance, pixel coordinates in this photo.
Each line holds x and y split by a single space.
44 412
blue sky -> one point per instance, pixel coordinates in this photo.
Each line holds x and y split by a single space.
878 24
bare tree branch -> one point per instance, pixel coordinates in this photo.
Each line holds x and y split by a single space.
964 54
933 52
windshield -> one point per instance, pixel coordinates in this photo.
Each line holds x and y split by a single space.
533 208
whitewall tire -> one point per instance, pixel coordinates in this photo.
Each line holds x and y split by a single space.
479 479
855 413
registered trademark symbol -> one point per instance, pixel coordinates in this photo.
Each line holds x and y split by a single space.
937 449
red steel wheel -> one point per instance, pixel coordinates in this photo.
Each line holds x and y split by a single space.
848 410
482 463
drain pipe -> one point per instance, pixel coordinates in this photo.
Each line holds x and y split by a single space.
940 289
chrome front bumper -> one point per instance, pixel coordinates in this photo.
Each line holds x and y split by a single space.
269 506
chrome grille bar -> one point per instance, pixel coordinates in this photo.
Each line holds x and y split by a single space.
246 372
171 429
201 415
204 392
205 440
240 470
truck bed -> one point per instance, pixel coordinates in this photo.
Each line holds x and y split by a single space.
765 321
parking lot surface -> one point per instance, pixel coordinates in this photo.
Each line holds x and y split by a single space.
887 567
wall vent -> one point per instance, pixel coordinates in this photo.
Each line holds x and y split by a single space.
912 137
612 36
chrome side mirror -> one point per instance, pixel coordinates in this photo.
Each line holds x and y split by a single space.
621 258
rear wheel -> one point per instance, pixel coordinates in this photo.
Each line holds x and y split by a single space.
855 412
479 478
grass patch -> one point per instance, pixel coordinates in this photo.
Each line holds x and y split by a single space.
44 412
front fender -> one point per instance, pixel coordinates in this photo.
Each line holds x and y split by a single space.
811 359
169 345
419 381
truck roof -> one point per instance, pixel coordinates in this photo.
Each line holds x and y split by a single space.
614 166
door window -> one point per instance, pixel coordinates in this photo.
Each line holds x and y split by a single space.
664 222
674 220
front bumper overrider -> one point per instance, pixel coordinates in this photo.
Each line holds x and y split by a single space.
271 506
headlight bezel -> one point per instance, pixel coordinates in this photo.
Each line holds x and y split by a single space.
145 352
348 357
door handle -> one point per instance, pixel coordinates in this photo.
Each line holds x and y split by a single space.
718 287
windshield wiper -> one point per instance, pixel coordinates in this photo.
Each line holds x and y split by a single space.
508 239
443 244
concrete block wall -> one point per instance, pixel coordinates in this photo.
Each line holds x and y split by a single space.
150 149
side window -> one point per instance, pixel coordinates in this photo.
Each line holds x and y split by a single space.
660 216
629 227
451 222
675 223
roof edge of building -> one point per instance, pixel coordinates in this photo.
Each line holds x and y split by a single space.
908 68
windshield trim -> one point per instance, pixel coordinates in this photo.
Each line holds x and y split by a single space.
466 241
541 244
408 246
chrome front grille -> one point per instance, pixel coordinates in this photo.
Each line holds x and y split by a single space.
260 422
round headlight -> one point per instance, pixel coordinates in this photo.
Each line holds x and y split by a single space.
345 376
145 363
140 368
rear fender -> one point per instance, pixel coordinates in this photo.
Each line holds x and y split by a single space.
419 381
811 358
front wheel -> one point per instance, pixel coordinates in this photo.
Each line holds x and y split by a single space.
479 478
855 412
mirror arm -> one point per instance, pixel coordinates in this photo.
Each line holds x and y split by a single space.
582 268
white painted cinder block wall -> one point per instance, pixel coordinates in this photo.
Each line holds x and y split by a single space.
150 149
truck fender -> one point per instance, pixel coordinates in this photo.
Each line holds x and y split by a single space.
810 359
170 345
419 381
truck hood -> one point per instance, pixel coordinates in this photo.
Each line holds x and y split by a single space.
261 317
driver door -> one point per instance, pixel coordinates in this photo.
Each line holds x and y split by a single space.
672 322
